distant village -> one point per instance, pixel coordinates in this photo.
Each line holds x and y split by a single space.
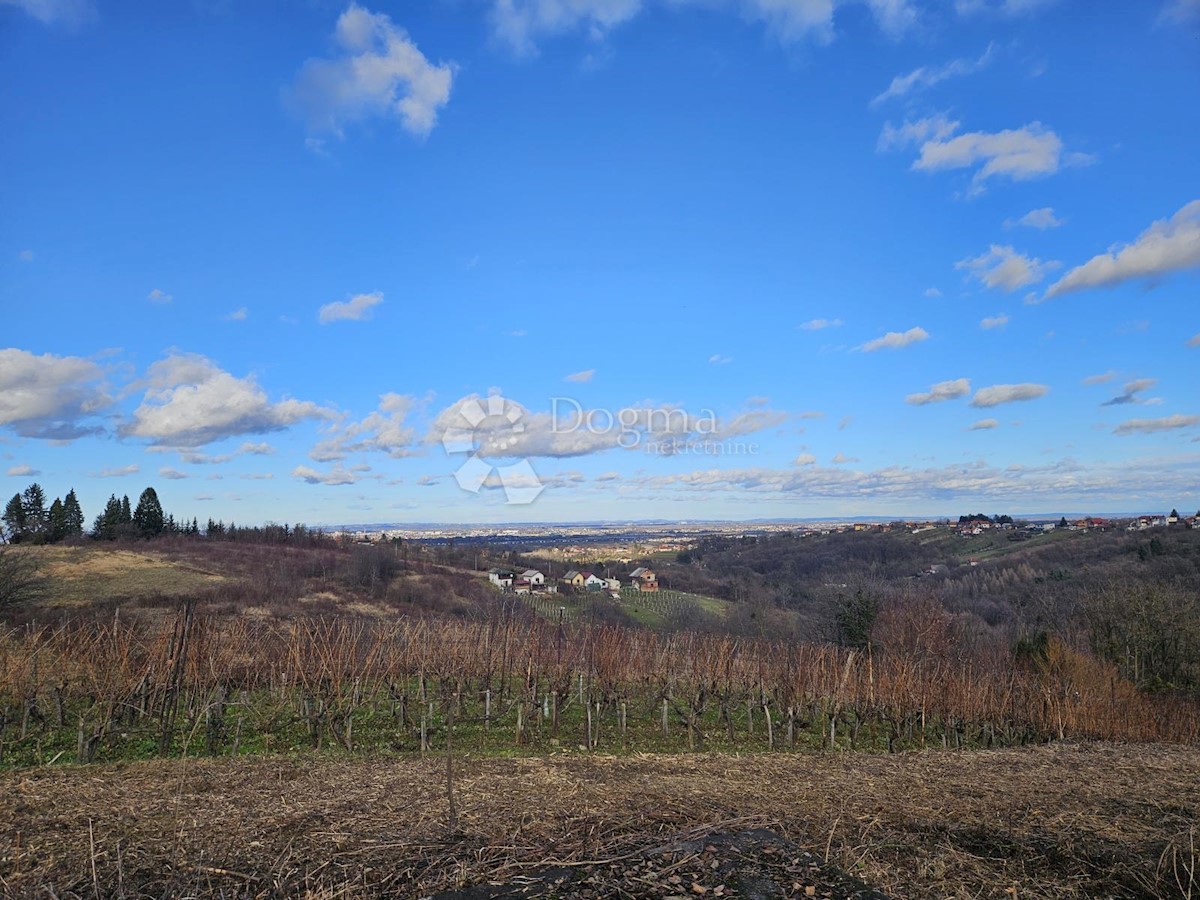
533 581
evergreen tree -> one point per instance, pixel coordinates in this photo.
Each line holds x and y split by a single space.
73 513
57 519
106 524
14 520
34 503
148 517
126 517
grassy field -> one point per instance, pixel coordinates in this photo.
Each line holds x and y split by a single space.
1064 821
77 576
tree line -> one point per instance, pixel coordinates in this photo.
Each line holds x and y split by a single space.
28 520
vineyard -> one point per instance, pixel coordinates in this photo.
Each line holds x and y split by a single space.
201 685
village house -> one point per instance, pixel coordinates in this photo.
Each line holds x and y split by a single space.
502 578
535 578
574 580
643 579
593 582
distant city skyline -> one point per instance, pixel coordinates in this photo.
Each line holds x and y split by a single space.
527 262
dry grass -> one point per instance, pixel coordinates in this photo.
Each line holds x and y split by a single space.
1092 820
81 575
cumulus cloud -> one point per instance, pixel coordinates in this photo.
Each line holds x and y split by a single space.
200 458
1007 393
818 324
384 431
804 459
171 474
581 377
1005 268
190 401
990 322
940 392
376 71
1153 426
50 396
841 459
1168 245
157 296
495 427
238 315
336 475
895 339
1102 378
932 293
1040 219
119 472
1019 154
356 309
718 360
19 471
25 256
1132 390
984 425
927 76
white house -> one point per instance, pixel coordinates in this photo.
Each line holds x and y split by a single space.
593 582
502 578
535 578
613 584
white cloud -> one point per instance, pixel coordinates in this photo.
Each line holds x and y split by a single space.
383 431
1132 390
804 459
841 459
1020 154
336 475
1102 378
117 472
157 296
1040 219
356 309
818 324
238 315
377 72
1169 245
581 377
718 360
47 396
1003 267
199 458
984 425
25 256
1153 426
895 339
56 12
933 293
1007 393
927 76
990 322
20 471
1194 340
940 392
190 402
171 474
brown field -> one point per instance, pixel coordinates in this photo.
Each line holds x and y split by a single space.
1090 820
77 576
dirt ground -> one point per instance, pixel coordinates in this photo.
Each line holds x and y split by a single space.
1093 820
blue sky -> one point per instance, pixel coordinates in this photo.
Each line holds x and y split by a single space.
718 258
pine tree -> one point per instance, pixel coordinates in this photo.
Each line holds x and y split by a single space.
34 503
73 513
148 517
126 517
14 520
106 524
57 519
